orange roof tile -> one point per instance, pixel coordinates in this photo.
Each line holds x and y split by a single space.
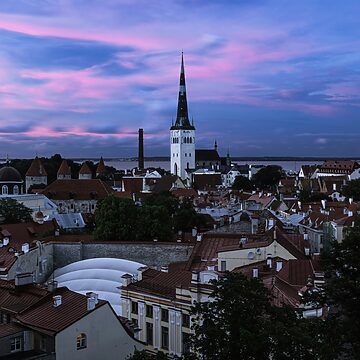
36 168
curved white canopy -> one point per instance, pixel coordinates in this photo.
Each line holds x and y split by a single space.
99 275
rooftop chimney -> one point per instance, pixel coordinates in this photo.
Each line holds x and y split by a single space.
126 279
279 265
140 271
255 272
141 149
57 300
24 279
92 300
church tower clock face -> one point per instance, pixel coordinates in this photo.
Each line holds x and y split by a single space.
182 134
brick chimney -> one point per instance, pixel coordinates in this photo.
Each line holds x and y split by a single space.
141 149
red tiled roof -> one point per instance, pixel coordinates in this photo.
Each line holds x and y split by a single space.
36 168
297 272
161 283
133 184
20 234
206 181
308 170
85 169
78 189
64 168
261 199
101 167
347 166
43 316
184 193
10 329
18 298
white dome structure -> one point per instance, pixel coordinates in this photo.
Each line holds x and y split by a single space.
98 275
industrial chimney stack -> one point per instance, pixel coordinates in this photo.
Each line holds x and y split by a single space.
141 149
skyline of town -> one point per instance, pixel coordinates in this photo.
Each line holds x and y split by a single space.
266 81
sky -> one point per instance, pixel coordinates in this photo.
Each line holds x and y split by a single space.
264 77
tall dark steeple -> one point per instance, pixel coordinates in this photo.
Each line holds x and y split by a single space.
182 117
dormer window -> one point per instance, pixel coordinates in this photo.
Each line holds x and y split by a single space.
81 341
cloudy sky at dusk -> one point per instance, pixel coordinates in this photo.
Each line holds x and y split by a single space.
265 77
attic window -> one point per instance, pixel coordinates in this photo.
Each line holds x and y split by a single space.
81 342
15 344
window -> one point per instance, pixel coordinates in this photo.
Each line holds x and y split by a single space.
149 333
164 315
189 154
134 307
149 311
185 154
186 320
223 266
164 337
15 344
16 190
81 341
5 190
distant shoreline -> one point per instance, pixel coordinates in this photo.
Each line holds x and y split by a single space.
233 158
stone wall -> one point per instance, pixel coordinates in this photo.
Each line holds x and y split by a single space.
43 261
151 254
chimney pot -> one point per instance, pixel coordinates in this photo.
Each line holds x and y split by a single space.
57 300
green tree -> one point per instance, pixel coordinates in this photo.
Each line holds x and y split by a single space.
342 291
185 217
241 323
154 222
116 219
165 199
12 212
242 183
307 195
352 189
268 177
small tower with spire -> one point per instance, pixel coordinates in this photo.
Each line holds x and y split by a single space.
36 174
182 133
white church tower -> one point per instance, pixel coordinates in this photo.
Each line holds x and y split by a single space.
182 134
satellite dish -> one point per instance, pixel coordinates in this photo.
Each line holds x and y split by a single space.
258 251
251 255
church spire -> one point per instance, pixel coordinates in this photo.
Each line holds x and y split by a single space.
182 117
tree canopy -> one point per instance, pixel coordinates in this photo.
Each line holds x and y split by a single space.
342 290
240 322
12 212
268 177
116 219
352 189
159 216
242 183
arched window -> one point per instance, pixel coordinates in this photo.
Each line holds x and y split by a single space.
175 169
190 140
16 190
81 341
5 190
